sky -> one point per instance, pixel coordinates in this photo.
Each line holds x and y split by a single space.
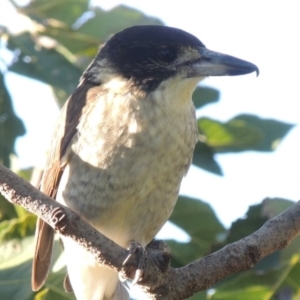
263 32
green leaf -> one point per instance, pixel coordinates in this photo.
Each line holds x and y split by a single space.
242 227
15 268
53 288
247 285
255 217
25 173
106 23
192 216
46 65
57 18
15 272
17 227
204 158
16 252
255 284
67 11
59 64
54 294
184 253
7 210
15 282
272 207
272 131
244 132
10 125
235 135
205 95
96 30
199 296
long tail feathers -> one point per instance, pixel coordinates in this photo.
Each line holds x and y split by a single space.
43 252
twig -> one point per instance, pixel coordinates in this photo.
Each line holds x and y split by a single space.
175 284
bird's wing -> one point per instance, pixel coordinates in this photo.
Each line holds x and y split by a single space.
65 130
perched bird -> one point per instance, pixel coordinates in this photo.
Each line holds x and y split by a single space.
123 142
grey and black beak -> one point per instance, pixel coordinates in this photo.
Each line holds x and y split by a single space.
213 63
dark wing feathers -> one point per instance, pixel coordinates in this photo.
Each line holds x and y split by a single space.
65 130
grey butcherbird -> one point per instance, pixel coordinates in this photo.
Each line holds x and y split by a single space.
123 142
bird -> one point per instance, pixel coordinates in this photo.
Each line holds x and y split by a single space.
122 144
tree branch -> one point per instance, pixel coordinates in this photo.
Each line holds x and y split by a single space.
157 282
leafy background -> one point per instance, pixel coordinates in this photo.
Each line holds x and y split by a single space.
56 51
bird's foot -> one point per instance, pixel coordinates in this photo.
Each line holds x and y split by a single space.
157 254
139 250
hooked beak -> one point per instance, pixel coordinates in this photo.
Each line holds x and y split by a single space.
213 63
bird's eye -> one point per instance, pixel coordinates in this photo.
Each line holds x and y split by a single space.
167 55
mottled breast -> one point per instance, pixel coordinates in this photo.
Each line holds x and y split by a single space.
128 159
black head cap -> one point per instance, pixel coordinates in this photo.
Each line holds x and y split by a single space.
147 52
147 55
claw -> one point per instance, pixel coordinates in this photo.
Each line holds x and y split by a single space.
136 248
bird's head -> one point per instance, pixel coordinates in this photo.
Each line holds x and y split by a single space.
147 55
